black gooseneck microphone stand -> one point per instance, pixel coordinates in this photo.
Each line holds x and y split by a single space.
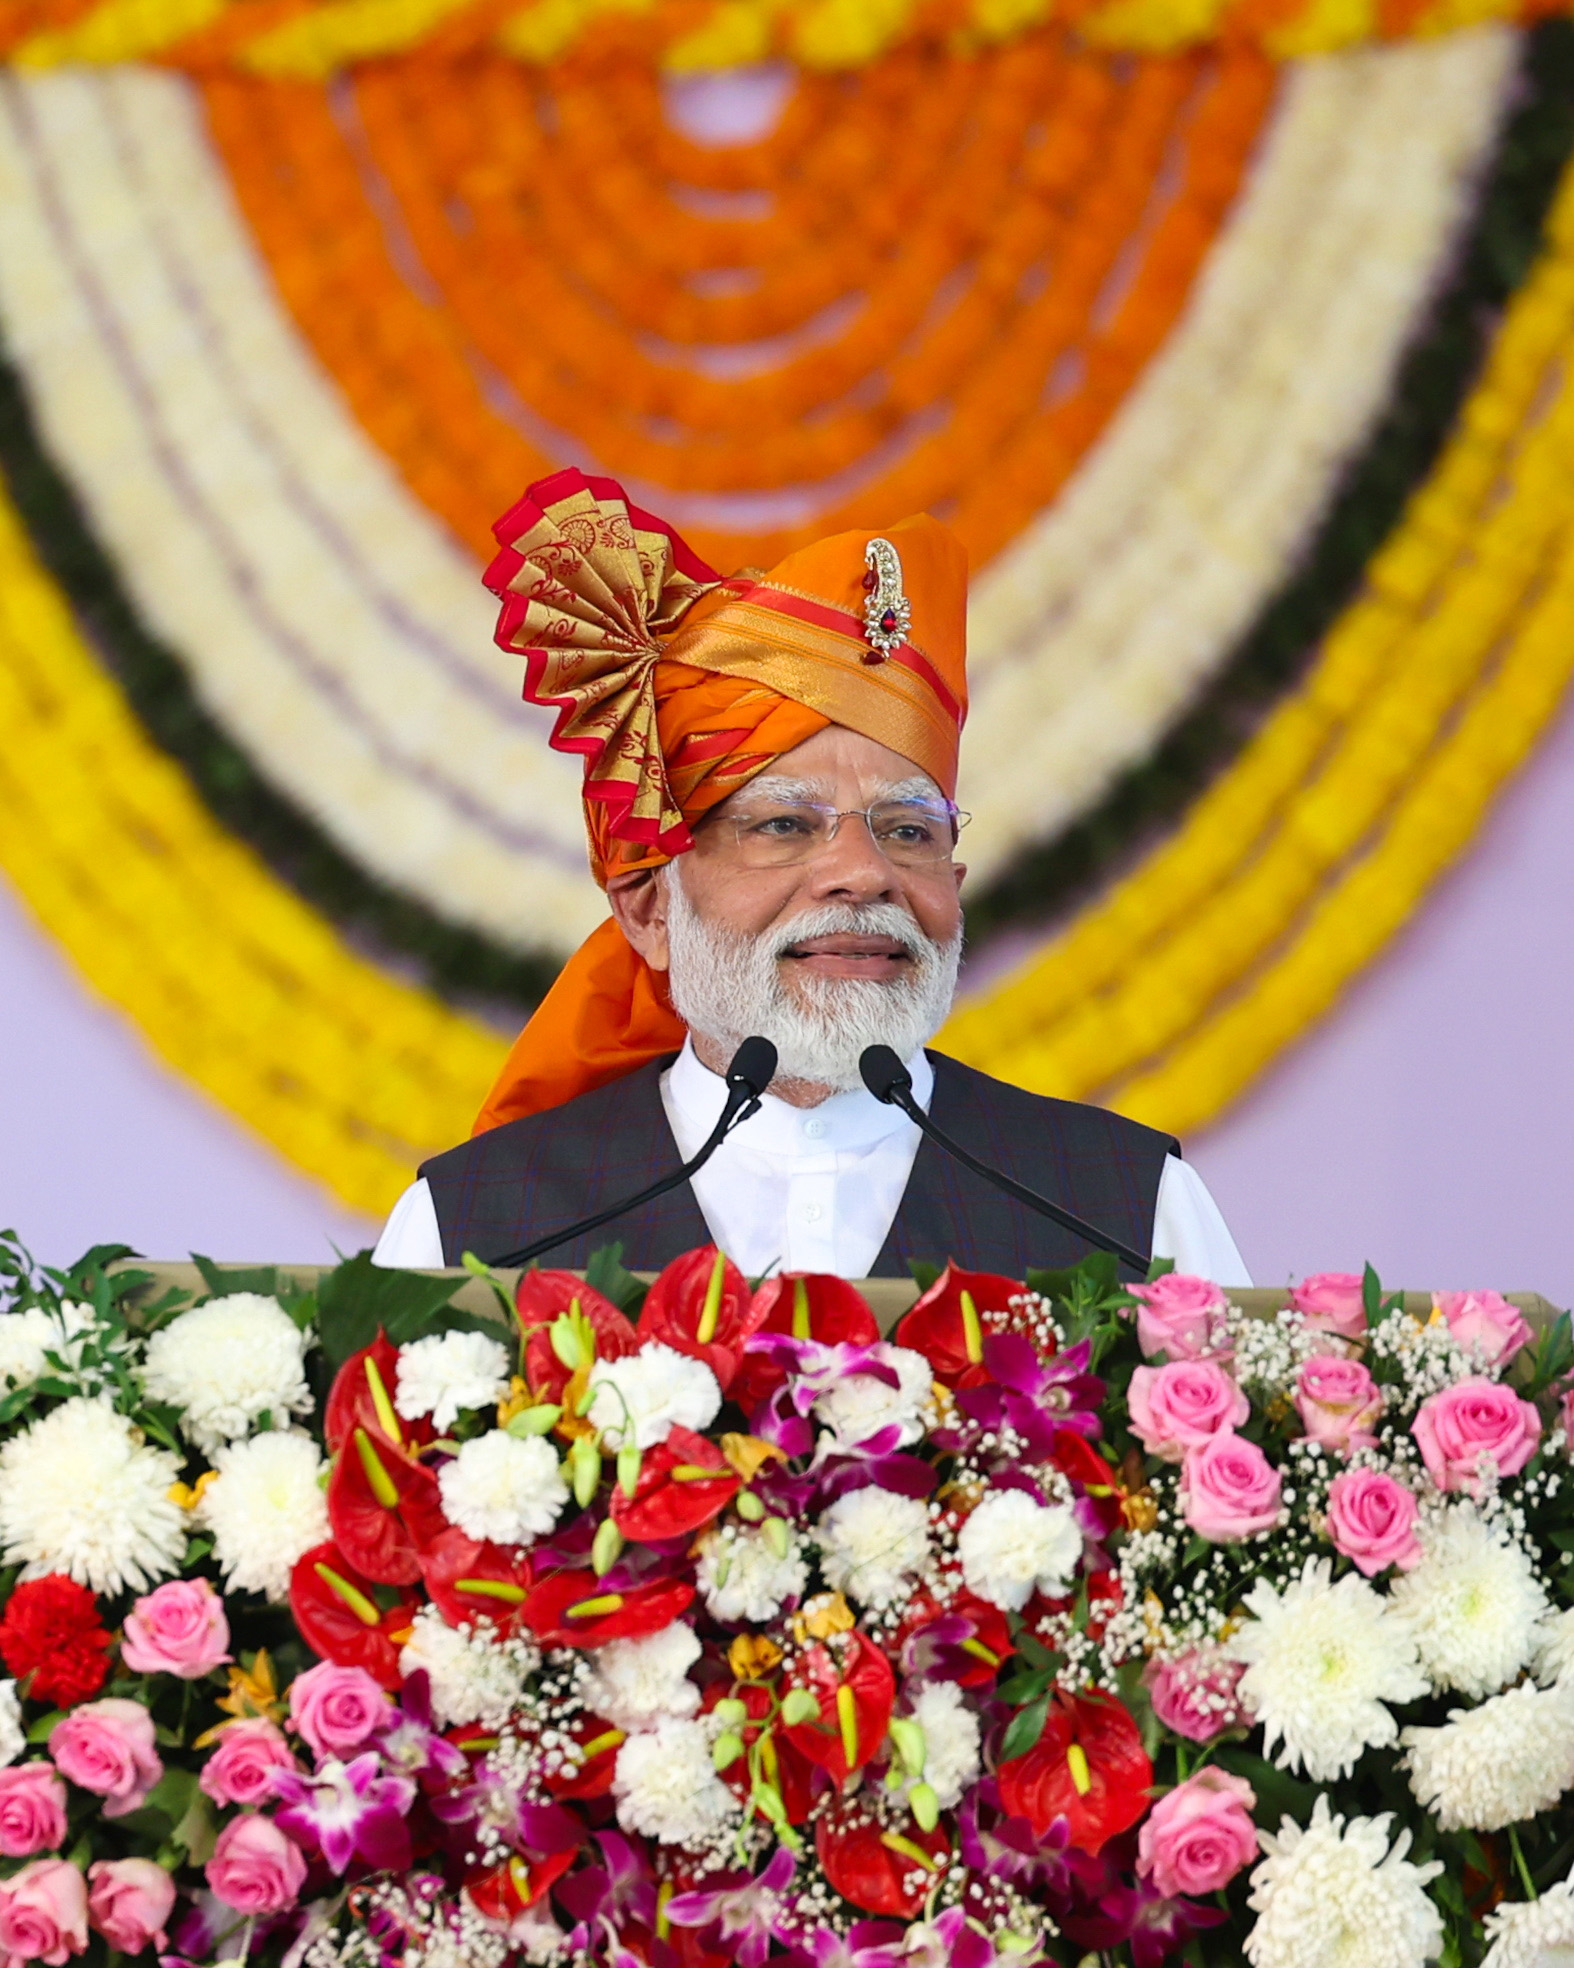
889 1081
751 1072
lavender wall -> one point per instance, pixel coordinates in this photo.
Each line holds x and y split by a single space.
1425 1125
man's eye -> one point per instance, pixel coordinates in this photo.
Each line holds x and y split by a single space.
781 826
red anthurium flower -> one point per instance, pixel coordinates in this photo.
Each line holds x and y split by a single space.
504 1892
1078 1459
577 1609
944 1325
362 1396
544 1296
1104 1602
384 1508
867 1863
700 1305
810 1305
1088 1767
593 1777
966 1640
335 1607
468 1580
671 1499
856 1690
784 1763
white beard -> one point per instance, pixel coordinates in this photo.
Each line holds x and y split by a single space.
728 988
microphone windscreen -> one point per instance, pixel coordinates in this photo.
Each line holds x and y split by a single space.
883 1072
753 1065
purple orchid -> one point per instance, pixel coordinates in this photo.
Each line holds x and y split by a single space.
814 1368
867 1465
867 1944
1036 1396
494 1799
606 1898
1003 1847
937 1650
410 1744
950 1941
740 1916
349 1811
1155 1927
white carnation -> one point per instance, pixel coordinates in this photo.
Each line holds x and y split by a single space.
13 1737
25 1339
501 1489
1321 1663
475 1677
1333 1896
266 1510
1555 1648
1496 1765
449 1374
81 1492
1533 1933
952 1740
651 1390
1474 1604
1012 1545
741 1578
872 1543
636 1683
227 1363
860 1406
665 1786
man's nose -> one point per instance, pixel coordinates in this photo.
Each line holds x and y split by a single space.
851 865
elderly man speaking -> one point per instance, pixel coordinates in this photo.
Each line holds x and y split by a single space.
770 779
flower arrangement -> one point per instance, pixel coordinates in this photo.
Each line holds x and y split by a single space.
697 1623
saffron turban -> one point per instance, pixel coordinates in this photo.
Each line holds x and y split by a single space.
677 686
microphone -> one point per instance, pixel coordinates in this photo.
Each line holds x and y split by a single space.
890 1082
752 1069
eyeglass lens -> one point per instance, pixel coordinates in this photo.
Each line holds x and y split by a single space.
773 834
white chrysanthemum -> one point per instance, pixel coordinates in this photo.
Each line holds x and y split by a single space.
1335 1896
741 1578
227 1363
1498 1764
1321 1662
1012 1545
503 1490
951 1740
447 1374
25 1338
665 1786
1555 1648
13 1737
475 1677
81 1492
1474 1604
872 1543
636 1683
265 1510
860 1406
652 1389
1533 1933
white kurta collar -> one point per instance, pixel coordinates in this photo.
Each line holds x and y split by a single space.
847 1123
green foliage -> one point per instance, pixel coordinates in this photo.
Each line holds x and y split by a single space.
358 1297
605 1274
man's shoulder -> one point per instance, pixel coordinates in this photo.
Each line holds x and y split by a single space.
963 1091
586 1119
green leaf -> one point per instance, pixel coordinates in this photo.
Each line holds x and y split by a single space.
1161 1267
1026 1726
357 1297
196 1830
1371 1296
605 1273
222 1280
46 1725
1553 1357
924 1273
1026 1687
1278 1794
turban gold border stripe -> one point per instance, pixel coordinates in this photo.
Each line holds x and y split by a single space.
1166 998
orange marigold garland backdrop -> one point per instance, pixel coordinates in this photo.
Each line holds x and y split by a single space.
928 288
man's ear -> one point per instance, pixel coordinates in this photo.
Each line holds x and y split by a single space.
639 907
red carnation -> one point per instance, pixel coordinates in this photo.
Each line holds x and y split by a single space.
52 1631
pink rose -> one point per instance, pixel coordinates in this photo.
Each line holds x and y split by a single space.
1180 1317
1177 1407
1566 1416
179 1629
255 1868
1331 1301
1485 1322
107 1747
1372 1521
43 1913
1231 1489
1477 1418
337 1709
1195 1695
1338 1401
32 1810
1195 1840
240 1770
128 1902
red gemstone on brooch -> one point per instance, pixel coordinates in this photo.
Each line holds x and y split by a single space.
888 622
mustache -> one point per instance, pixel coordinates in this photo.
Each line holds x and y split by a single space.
853 919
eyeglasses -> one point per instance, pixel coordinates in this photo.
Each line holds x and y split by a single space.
779 833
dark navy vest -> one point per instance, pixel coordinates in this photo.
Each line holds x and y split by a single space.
515 1183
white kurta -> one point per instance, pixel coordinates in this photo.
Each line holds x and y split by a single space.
817 1188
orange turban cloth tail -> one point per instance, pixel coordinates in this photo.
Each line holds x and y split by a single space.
677 687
